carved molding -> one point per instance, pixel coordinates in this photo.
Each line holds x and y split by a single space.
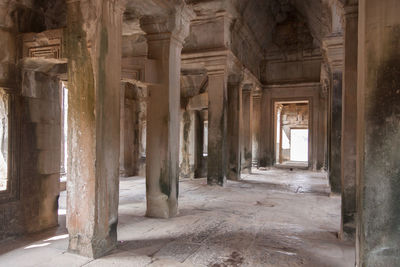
48 44
176 25
333 47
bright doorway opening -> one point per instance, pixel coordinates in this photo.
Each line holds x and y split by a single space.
292 136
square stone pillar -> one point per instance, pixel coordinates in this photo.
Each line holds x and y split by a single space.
266 140
217 128
378 134
93 42
246 151
201 163
187 155
234 127
349 123
333 46
165 38
256 129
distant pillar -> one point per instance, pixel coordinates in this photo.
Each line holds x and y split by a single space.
256 129
234 127
188 146
333 46
217 128
246 151
266 132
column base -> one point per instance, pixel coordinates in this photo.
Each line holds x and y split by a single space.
348 232
246 170
212 181
161 207
233 174
92 248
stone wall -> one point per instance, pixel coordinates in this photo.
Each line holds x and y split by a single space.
40 151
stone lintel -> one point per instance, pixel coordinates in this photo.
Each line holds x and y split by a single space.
198 102
219 60
139 70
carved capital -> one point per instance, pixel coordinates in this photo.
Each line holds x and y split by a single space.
248 87
351 11
333 47
175 25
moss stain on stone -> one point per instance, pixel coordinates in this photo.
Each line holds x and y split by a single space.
165 180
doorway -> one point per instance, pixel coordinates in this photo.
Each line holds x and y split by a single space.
292 136
62 205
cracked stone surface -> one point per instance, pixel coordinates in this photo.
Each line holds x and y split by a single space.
270 218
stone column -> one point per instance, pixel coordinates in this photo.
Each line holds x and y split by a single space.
336 131
321 136
129 148
187 148
378 134
200 161
333 46
93 43
217 128
256 129
165 38
349 123
234 127
247 103
266 131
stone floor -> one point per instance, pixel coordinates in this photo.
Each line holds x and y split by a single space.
270 218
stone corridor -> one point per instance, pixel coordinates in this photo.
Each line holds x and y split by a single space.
271 217
200 132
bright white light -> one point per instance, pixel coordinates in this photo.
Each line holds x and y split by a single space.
285 141
37 245
299 145
57 237
62 211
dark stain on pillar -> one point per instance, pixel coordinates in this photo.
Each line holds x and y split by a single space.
380 194
165 181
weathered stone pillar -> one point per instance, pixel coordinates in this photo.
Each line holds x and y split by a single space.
93 42
378 134
201 163
246 151
333 46
266 132
323 157
217 128
133 113
187 156
349 123
165 38
234 127
256 129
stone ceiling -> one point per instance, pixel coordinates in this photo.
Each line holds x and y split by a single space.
262 16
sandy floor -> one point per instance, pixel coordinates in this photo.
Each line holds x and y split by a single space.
270 218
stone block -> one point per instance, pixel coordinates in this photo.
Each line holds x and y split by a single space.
49 161
48 136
